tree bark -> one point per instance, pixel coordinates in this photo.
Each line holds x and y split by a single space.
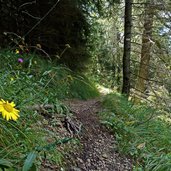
145 50
127 47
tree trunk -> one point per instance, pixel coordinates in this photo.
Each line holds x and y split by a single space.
127 47
145 50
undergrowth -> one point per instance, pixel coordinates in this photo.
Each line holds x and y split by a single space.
139 132
35 81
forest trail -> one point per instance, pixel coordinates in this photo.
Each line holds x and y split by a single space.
98 147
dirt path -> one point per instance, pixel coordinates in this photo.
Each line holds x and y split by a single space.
98 152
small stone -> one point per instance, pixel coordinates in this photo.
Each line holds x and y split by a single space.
105 156
80 160
75 169
88 160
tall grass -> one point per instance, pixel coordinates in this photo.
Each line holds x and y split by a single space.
40 77
139 132
35 81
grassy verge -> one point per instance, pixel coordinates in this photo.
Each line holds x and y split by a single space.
34 81
140 132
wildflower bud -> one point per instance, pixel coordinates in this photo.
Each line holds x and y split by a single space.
20 60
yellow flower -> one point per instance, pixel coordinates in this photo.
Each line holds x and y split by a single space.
12 79
17 51
8 111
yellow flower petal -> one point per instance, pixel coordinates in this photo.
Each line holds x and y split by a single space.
12 104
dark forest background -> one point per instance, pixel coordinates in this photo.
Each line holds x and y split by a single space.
29 23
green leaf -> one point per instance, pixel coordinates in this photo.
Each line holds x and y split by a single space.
5 163
50 146
57 142
33 168
29 161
